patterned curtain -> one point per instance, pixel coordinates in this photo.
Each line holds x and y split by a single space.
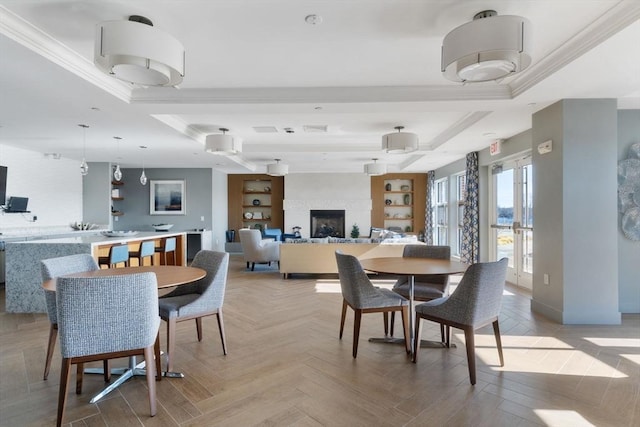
471 220
428 217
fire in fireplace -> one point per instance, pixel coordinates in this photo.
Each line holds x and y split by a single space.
327 223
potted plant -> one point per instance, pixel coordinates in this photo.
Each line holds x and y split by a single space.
355 231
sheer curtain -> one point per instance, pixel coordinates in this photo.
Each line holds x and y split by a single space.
471 220
428 217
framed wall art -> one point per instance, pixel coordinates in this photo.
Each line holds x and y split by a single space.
167 197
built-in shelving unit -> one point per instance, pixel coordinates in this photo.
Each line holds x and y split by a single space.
399 202
116 195
255 201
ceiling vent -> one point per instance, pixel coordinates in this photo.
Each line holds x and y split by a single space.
265 129
315 128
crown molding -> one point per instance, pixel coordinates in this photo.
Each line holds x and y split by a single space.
456 128
24 33
295 95
614 20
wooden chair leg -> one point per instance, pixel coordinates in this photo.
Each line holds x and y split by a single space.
171 337
448 336
53 334
405 328
416 339
79 377
392 323
356 331
253 265
151 381
385 318
106 370
199 327
496 332
65 370
157 359
248 265
442 334
343 317
471 353
221 329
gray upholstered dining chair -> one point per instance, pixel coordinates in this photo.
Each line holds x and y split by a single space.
426 286
255 249
104 318
359 293
475 303
52 268
197 300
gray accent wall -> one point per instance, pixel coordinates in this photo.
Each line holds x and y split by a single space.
96 193
575 241
628 250
135 206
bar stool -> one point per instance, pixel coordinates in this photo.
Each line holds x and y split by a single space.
147 249
168 245
117 254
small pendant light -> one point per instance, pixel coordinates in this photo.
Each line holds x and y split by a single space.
117 174
84 167
143 177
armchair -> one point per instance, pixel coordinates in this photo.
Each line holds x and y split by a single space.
256 250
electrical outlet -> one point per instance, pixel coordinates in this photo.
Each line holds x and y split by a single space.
545 278
115 218
202 218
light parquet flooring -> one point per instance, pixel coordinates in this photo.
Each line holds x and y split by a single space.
287 367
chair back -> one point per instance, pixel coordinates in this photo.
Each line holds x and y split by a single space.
56 267
118 253
147 248
107 314
478 297
356 287
433 252
169 244
211 288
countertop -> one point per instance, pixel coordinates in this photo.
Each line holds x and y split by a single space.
96 240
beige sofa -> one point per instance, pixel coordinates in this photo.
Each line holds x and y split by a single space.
318 258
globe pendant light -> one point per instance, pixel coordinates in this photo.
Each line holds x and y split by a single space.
84 167
143 177
117 174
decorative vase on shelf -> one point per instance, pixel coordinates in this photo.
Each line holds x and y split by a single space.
407 199
387 187
256 202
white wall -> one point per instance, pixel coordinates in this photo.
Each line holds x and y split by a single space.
54 189
220 209
348 191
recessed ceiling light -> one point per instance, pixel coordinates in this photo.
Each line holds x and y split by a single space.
313 19
95 108
317 108
142 146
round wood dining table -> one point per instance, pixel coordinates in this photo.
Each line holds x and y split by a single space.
411 267
167 276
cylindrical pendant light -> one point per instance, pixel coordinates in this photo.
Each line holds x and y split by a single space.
400 142
277 168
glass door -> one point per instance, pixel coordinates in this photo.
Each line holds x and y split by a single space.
512 218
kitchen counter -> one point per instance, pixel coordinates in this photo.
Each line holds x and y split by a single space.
23 287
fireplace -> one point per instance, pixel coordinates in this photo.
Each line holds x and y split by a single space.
327 223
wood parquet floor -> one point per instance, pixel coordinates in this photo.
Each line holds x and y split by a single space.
287 367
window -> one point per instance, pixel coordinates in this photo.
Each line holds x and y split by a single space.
461 188
441 212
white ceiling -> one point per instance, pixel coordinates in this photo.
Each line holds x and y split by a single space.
369 66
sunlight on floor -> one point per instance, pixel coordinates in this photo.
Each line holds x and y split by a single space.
615 342
556 417
332 286
546 353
